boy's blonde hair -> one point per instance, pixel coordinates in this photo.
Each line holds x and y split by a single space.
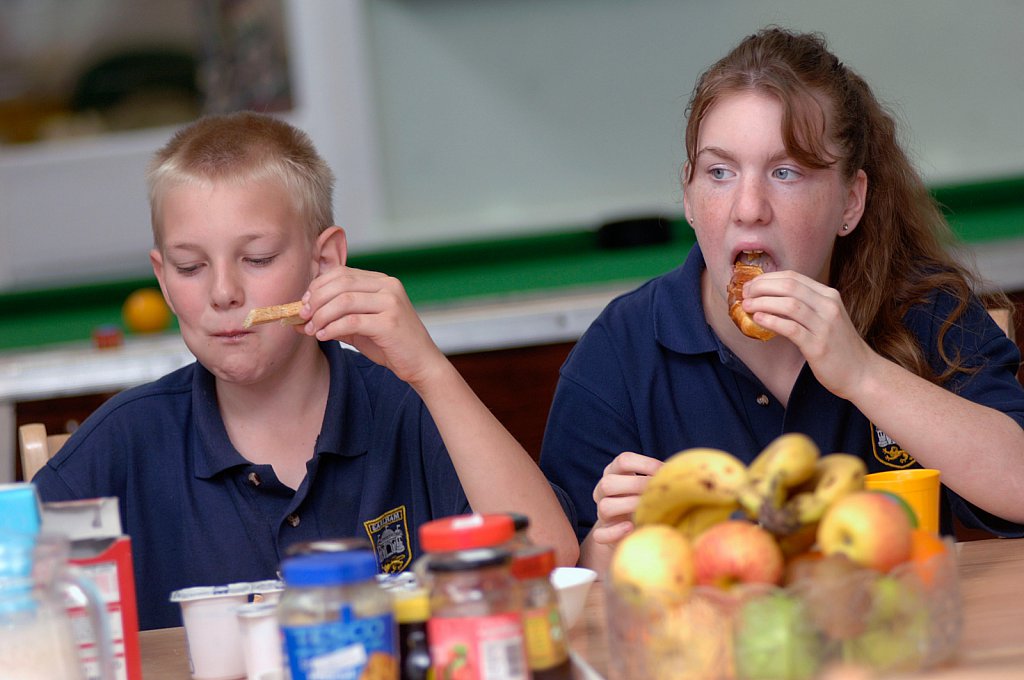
239 148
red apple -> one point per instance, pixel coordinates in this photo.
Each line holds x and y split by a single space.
736 551
869 528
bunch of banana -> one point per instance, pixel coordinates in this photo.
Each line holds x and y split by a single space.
694 489
786 463
835 475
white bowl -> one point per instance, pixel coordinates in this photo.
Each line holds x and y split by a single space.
572 585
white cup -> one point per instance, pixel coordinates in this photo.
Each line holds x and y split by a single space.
261 642
211 629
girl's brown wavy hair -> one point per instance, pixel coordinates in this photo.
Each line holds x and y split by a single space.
900 253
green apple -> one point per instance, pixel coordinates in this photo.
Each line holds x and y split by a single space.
868 527
897 637
774 639
653 561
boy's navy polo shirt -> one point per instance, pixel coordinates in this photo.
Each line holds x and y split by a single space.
199 514
650 376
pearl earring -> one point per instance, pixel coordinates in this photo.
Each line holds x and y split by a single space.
846 227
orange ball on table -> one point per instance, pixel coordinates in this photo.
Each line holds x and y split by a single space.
144 311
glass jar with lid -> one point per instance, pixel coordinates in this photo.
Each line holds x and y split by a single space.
546 645
476 626
336 622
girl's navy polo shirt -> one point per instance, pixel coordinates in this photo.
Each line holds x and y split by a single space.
200 514
650 376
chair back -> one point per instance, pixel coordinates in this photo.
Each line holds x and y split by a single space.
1001 315
37 447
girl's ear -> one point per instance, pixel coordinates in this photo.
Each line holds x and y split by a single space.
331 250
856 199
156 258
687 169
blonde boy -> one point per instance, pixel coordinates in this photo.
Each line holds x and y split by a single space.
277 434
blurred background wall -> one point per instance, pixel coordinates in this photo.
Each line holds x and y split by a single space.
450 120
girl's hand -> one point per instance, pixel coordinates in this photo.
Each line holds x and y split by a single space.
617 494
811 316
371 312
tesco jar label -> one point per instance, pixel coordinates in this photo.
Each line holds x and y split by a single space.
342 649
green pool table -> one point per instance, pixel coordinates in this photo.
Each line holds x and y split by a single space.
569 258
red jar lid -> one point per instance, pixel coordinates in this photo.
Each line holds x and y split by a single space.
465 531
535 562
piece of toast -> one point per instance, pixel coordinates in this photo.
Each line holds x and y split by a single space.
287 314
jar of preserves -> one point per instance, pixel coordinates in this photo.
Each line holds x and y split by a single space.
461 532
336 622
476 627
546 645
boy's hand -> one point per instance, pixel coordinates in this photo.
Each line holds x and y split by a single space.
371 312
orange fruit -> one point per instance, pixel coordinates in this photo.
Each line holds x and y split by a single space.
801 566
144 311
926 546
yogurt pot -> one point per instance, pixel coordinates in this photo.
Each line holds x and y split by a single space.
212 631
261 641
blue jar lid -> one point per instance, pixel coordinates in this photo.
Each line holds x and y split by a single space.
322 569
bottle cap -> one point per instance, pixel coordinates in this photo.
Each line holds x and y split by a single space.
462 532
412 606
322 569
520 521
535 562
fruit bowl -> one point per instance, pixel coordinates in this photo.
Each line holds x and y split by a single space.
830 615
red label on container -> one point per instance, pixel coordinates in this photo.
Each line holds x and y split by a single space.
478 648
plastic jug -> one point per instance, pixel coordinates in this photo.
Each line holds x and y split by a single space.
37 586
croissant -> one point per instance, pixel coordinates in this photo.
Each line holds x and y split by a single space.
742 273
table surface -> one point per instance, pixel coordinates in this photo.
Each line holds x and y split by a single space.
991 647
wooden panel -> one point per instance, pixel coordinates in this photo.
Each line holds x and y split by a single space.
517 385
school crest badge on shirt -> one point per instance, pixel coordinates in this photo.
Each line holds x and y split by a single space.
887 451
389 534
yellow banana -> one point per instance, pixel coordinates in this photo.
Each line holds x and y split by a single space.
701 518
835 475
786 462
690 478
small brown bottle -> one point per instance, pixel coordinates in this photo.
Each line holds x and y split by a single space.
412 610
